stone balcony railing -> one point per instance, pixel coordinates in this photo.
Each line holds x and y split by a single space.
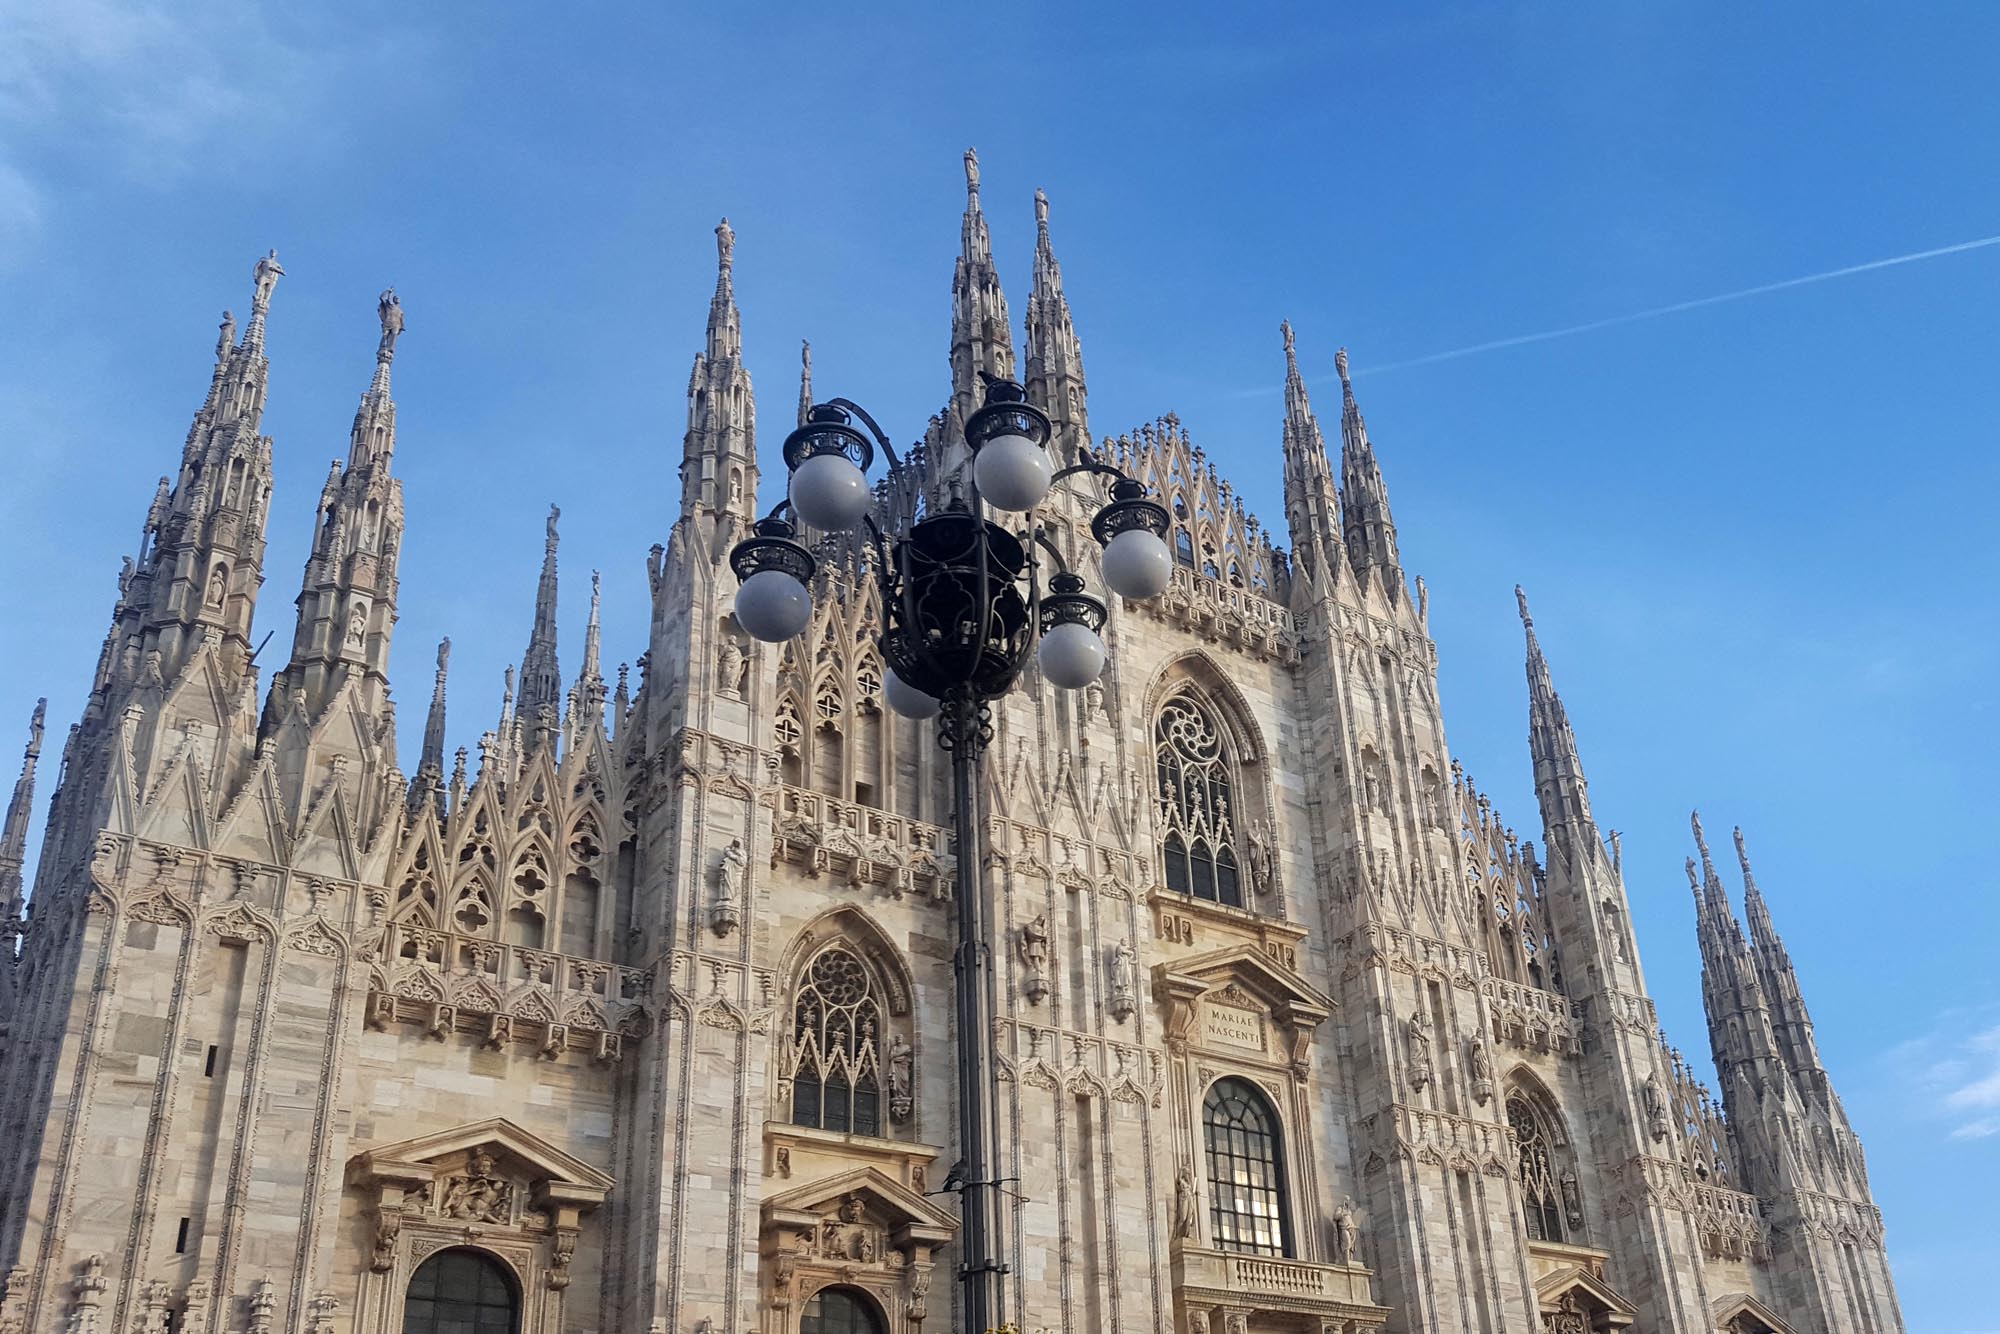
860 844
1218 1285
452 983
1531 1018
1242 617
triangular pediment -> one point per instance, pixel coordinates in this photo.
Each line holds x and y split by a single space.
1584 1291
1737 1305
886 1201
538 1159
1251 972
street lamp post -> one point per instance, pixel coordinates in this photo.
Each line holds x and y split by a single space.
962 607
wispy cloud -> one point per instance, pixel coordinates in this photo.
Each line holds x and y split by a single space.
101 91
1954 1070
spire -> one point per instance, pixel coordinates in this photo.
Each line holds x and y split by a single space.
1369 528
1780 981
347 595
540 699
587 695
805 380
1559 782
982 335
719 451
201 553
725 323
432 763
1055 381
14 834
1312 505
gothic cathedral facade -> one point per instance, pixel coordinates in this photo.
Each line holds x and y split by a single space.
642 1022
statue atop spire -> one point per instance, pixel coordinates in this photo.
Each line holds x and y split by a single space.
725 245
389 310
1346 380
1521 600
267 273
972 177
1041 214
541 690
14 834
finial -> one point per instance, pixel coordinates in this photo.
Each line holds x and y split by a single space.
444 655
1701 841
725 244
267 273
1743 858
1694 881
1285 327
389 309
1521 598
227 334
549 543
972 175
1041 213
1340 366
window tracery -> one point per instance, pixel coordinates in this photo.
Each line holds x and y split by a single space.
836 1053
1195 779
1551 1208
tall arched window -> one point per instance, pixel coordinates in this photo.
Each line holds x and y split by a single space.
1197 798
839 1311
1246 1170
462 1291
837 1046
1550 1207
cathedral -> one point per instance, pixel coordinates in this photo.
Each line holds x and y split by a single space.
640 1020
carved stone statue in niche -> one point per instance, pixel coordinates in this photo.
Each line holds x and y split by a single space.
1572 1199
215 587
1482 1071
1346 1233
729 662
1417 1042
725 912
1124 996
1035 954
357 626
1656 1106
1263 857
900 1060
478 1196
1187 1215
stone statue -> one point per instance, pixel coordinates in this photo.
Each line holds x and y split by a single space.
725 913
729 668
725 243
851 1209
972 170
479 1196
1371 784
1656 1106
357 627
1417 1041
1263 857
1572 1199
1124 980
266 274
1481 1066
1346 1233
1035 953
1186 1207
215 587
900 1059
389 309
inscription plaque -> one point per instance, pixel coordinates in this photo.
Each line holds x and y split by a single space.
1232 1026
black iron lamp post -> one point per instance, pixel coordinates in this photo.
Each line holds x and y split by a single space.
962 606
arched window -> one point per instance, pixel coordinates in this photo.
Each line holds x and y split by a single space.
837 1046
1246 1170
461 1291
1197 803
1550 1206
839 1311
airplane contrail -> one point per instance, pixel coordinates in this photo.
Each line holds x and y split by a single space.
1632 317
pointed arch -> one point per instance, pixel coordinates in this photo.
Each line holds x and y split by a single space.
1545 1160
844 1057
1210 785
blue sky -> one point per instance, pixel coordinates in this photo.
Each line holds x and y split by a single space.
1756 533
